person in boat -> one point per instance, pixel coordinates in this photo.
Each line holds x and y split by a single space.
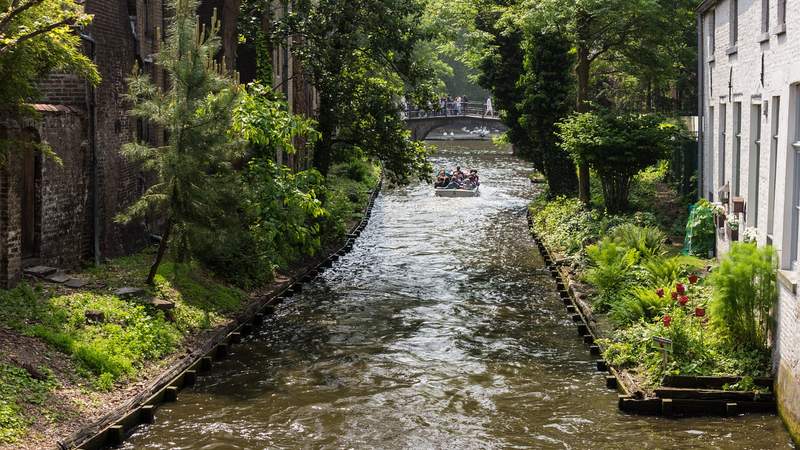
458 172
442 180
473 178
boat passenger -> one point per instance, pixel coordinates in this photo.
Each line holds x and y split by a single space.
473 178
442 179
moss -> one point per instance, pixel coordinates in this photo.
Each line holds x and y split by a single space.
790 418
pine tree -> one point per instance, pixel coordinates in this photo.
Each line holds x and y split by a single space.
193 170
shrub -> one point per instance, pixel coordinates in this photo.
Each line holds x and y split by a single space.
647 241
745 291
611 266
700 229
617 147
661 271
639 304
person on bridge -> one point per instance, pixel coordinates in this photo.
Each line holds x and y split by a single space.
489 109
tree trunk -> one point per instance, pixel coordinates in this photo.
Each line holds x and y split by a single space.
162 249
324 147
582 72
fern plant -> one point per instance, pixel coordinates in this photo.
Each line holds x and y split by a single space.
639 304
648 241
611 267
669 271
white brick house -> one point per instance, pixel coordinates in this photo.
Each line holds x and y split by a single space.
749 72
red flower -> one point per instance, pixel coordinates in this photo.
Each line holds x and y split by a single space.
674 295
667 320
683 300
693 278
680 288
699 312
660 293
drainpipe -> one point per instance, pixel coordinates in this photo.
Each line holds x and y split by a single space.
701 129
91 109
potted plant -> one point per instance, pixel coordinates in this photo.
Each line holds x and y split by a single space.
733 228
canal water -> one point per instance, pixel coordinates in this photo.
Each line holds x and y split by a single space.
440 330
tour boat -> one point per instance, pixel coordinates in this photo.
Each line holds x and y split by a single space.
442 192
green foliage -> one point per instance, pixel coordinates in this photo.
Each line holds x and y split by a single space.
700 229
37 38
647 241
609 271
639 304
193 170
363 56
284 211
745 291
19 394
617 147
669 271
548 98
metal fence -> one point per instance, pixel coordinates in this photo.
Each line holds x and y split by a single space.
451 109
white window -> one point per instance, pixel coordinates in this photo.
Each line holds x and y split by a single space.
721 148
736 178
734 22
712 28
773 166
710 138
794 242
765 16
755 165
781 12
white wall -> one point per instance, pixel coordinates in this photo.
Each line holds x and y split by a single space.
737 77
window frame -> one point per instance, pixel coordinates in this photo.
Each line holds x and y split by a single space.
734 23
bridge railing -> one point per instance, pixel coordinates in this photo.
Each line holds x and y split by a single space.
451 109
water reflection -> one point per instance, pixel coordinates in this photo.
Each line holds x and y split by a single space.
440 330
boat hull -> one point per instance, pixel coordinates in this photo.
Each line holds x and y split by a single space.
457 192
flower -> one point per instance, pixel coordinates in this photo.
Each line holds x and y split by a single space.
674 295
660 292
693 279
683 300
680 288
667 320
699 312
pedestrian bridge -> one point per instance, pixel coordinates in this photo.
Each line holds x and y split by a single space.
466 115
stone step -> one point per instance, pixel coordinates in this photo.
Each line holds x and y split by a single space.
40 271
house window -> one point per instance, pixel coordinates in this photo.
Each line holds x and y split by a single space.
755 165
765 16
737 149
710 134
781 12
734 23
795 242
722 138
712 27
773 166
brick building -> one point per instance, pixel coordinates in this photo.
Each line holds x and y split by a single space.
750 149
63 215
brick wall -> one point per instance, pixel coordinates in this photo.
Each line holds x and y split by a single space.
63 89
118 180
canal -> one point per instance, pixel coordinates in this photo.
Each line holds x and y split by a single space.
440 330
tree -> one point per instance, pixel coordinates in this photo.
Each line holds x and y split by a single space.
500 71
617 147
38 37
547 89
193 169
362 56
626 31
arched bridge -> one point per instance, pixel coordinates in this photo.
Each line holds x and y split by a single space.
471 116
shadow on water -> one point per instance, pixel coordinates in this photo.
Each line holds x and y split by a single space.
440 330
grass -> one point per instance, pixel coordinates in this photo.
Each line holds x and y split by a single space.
18 390
131 334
